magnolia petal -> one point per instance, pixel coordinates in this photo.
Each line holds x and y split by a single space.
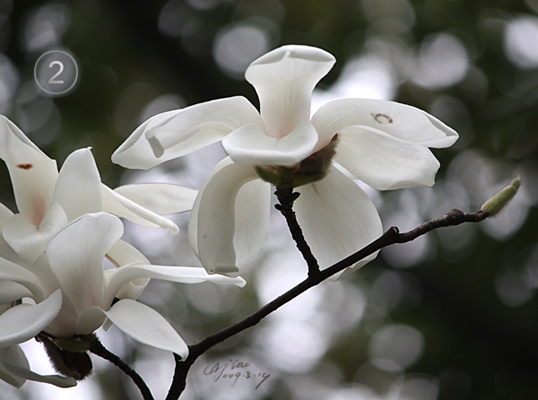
121 206
176 133
212 226
121 276
161 198
5 214
284 80
15 369
10 356
33 174
337 218
12 291
122 254
146 326
12 272
25 321
400 121
383 161
252 212
56 380
76 255
249 145
30 241
78 187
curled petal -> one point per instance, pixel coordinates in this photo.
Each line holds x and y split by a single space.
383 161
121 276
78 188
176 133
337 218
121 206
76 255
12 272
30 241
25 321
161 198
249 145
123 254
147 326
213 229
12 291
398 120
284 80
33 174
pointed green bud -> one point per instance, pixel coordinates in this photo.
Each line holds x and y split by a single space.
499 200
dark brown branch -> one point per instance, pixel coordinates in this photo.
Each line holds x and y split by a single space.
98 349
286 197
390 237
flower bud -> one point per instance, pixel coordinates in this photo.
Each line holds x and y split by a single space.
499 200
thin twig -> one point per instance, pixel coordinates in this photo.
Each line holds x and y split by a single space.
98 349
286 197
390 237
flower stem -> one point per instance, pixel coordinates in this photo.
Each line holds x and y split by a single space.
390 237
286 196
98 349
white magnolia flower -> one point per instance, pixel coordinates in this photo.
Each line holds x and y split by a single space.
71 295
382 143
47 199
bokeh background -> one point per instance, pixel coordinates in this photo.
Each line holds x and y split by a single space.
452 315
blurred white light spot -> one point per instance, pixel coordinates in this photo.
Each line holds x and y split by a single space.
161 104
46 26
395 345
442 62
237 45
367 77
293 346
513 288
521 41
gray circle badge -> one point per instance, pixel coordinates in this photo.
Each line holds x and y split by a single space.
56 72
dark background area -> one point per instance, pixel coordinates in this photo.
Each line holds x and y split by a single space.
450 316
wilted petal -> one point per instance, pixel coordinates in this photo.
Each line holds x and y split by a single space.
76 255
179 132
400 121
15 369
78 188
25 321
383 161
121 206
337 218
161 198
33 174
147 326
30 241
212 226
249 145
284 80
119 277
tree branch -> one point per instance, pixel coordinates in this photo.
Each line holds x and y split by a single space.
390 237
286 197
98 349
